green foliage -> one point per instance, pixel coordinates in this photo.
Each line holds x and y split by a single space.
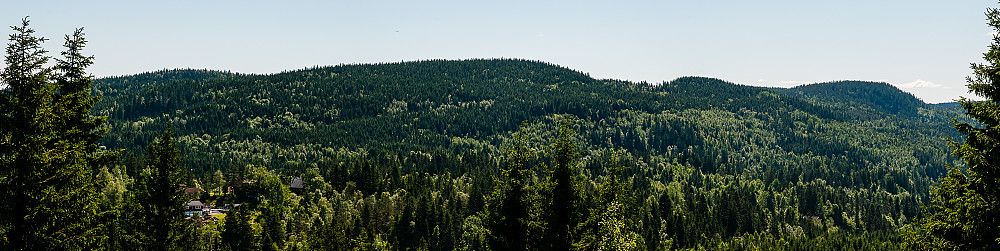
264 201
839 240
860 98
965 211
562 214
328 237
49 148
273 212
158 198
238 232
430 155
484 154
114 200
506 214
608 227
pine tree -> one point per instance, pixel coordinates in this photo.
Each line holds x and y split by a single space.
159 196
506 212
563 216
74 100
48 147
239 234
966 206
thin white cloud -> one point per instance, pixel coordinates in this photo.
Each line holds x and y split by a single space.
920 83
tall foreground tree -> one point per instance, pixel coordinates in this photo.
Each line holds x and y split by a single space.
74 99
563 215
48 147
966 206
158 198
506 214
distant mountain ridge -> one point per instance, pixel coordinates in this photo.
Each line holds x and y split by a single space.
874 95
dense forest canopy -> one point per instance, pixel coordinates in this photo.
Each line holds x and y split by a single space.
709 163
478 154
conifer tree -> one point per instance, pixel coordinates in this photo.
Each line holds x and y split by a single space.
506 212
966 206
159 196
563 216
48 147
239 234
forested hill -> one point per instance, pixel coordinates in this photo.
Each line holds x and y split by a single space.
861 95
708 160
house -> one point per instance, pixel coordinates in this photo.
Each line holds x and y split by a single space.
296 183
192 190
194 208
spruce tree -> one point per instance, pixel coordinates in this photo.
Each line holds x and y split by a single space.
159 197
46 167
965 210
563 216
74 99
238 233
506 211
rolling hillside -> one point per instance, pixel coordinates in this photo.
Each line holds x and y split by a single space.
704 157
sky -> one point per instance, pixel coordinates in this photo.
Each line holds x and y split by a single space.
922 47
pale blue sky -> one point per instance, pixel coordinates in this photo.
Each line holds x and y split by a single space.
767 43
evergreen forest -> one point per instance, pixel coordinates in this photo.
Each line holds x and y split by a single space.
476 154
